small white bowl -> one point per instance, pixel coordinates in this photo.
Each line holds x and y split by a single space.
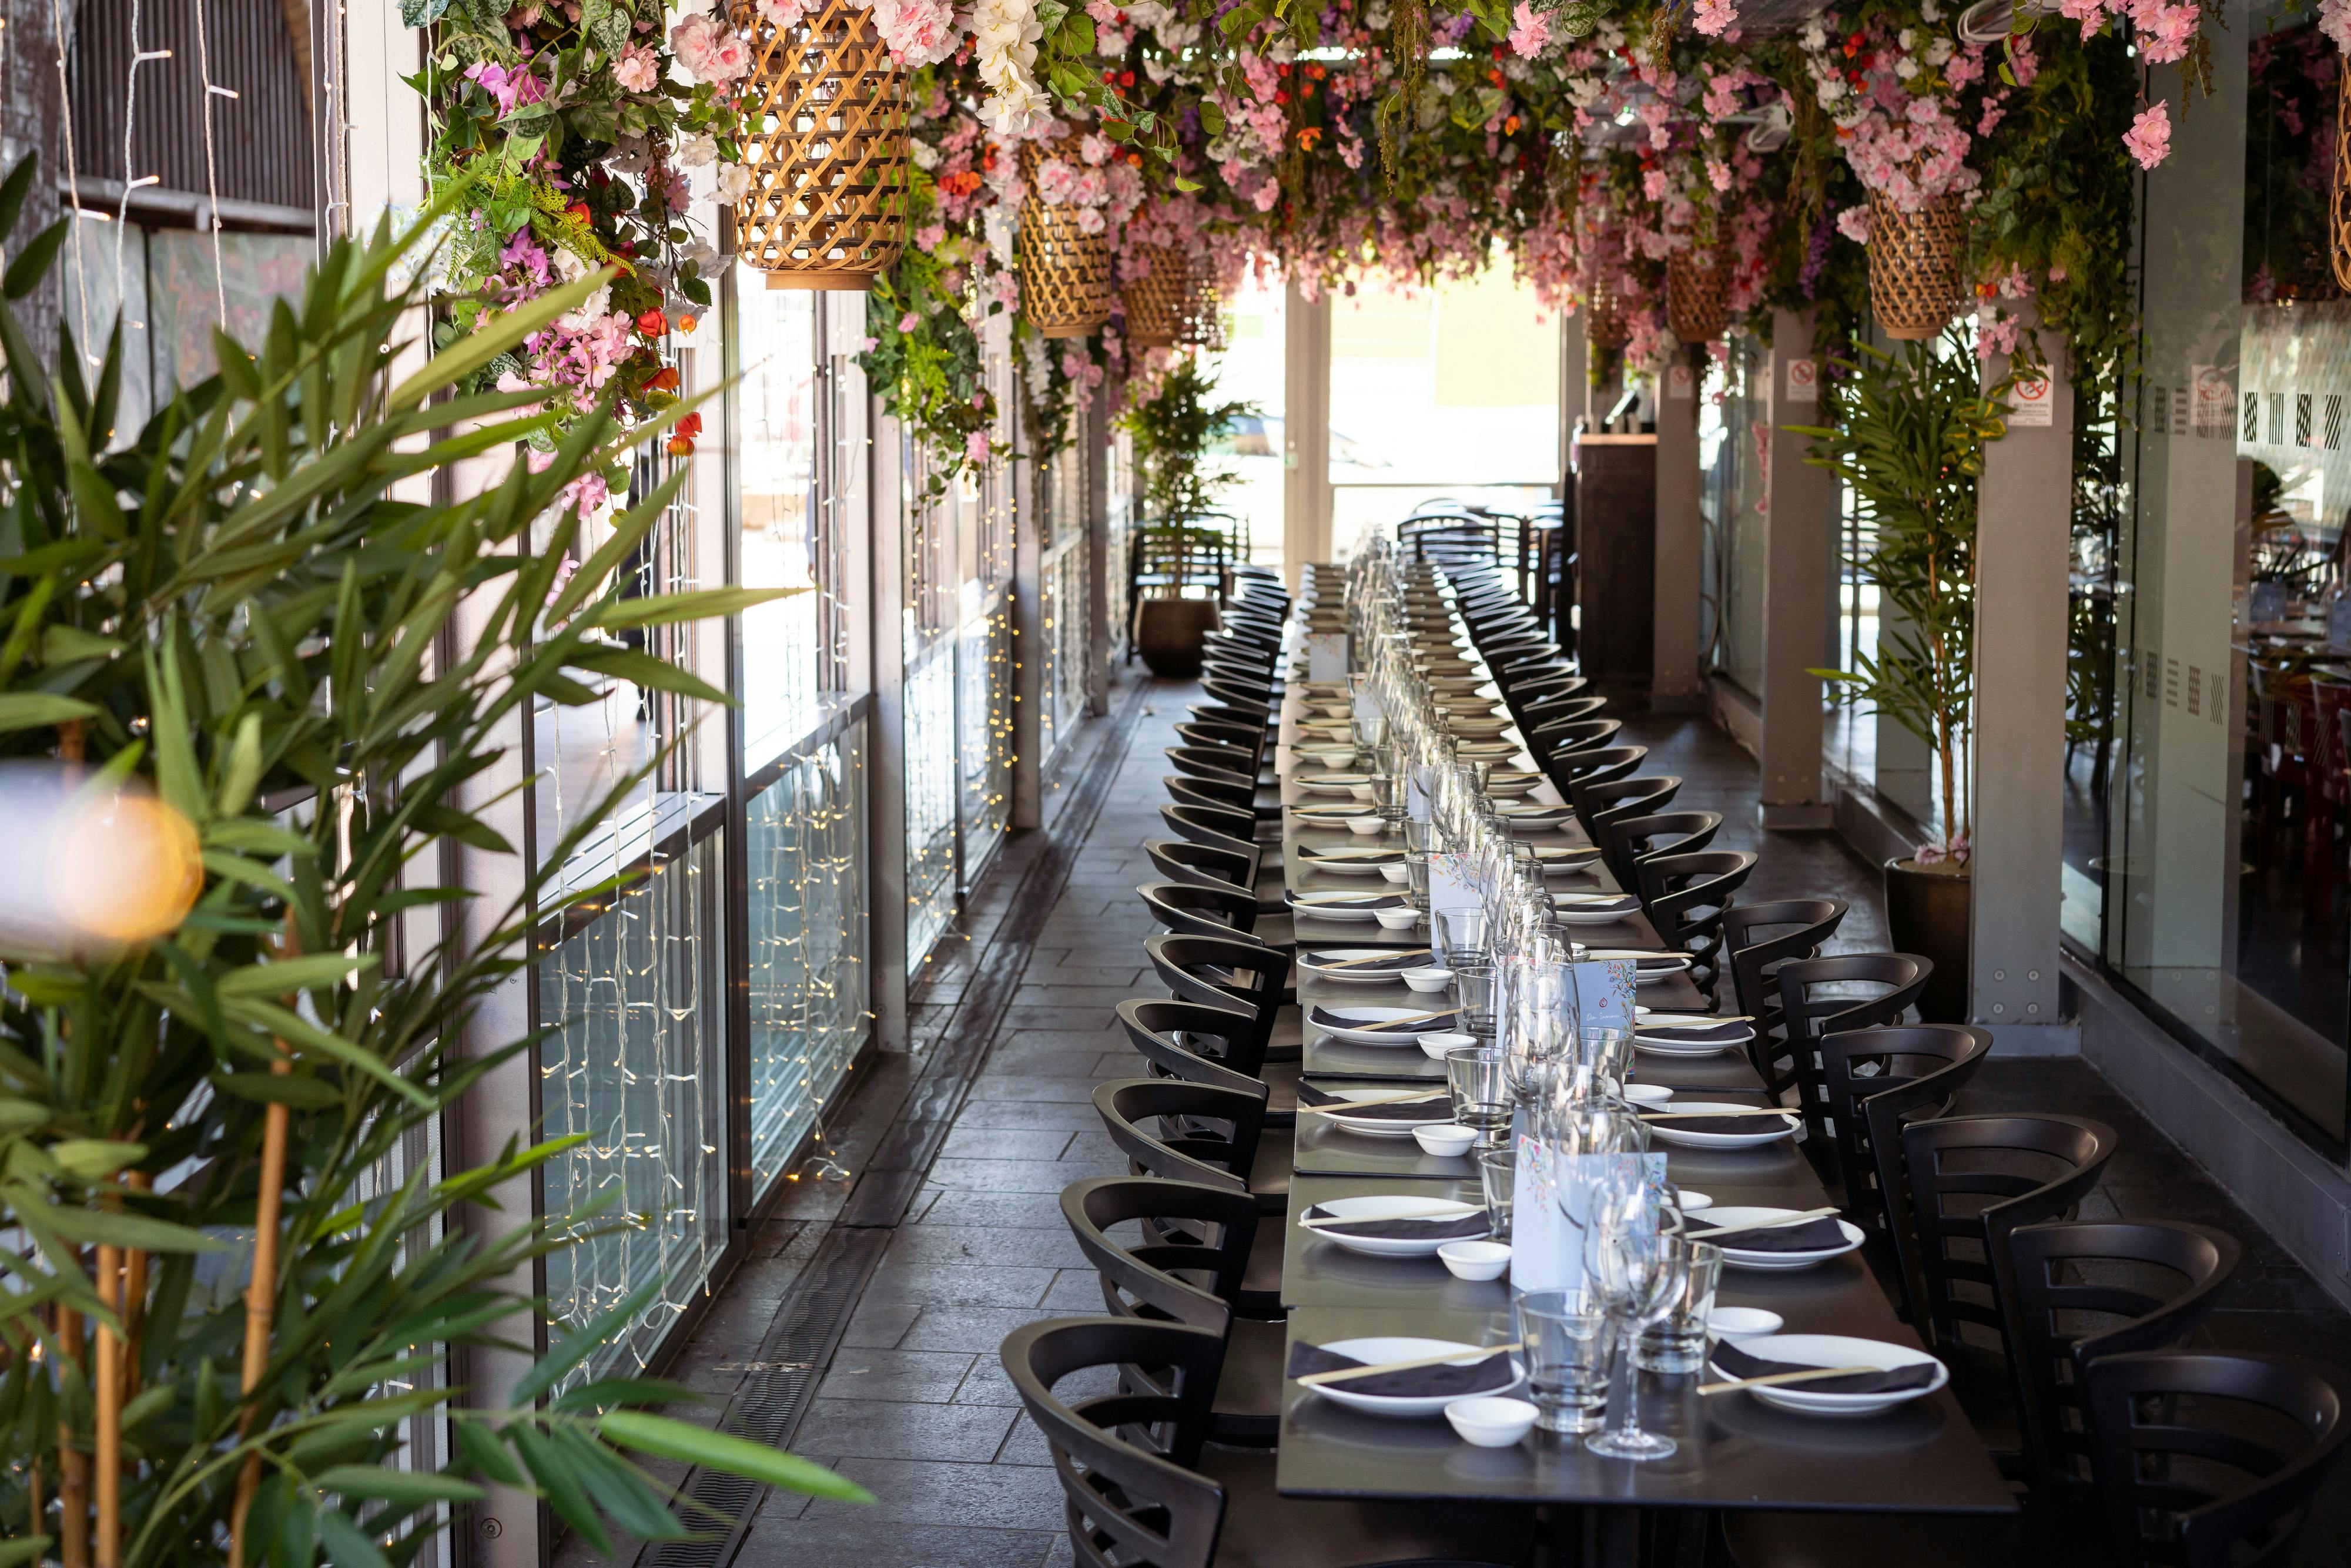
1489 1422
1475 1259
1397 873
1647 1094
1360 791
1365 827
1443 1138
1431 978
1694 1201
1435 1046
1403 919
1736 1323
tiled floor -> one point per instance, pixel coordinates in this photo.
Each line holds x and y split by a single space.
913 1405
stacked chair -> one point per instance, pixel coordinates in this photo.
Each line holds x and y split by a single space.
2063 1334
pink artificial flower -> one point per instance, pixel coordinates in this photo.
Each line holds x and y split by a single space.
867 345
1266 194
637 69
909 321
974 446
2149 138
1716 17
2335 21
785 13
1854 224
930 236
1717 174
1530 31
918 32
692 41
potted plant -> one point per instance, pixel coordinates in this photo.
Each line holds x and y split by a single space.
232 657
1908 441
1175 429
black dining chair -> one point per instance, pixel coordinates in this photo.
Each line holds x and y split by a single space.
1238 738
1608 765
1548 715
1187 790
1817 997
2079 1292
1224 970
1685 896
1878 1080
1759 938
1215 764
1197 1131
1215 1045
1565 738
1221 827
1639 839
2208 1460
1601 805
1971 1181
1208 865
1191 1266
1192 910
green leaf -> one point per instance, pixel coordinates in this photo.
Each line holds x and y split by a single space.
347 1545
112 1228
694 604
14 190
666 1438
32 263
410 1488
312 971
295 1088
32 710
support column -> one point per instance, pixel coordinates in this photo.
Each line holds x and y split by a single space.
1029 481
890 458
1674 678
2023 537
1800 545
1094 429
1306 432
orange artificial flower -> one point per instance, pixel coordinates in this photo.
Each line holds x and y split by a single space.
653 323
1308 135
687 323
663 379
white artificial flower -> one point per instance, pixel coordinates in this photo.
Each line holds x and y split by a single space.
1906 67
926 157
569 267
695 152
734 182
1814 36
1908 38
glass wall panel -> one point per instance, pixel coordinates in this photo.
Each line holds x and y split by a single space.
775 469
1251 371
634 1067
805 838
2222 888
1444 392
1733 421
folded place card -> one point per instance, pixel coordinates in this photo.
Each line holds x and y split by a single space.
1603 990
1548 1202
1417 1383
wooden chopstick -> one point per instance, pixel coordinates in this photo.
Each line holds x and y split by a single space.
1736 1110
1308 1222
1775 1379
1379 1025
1772 1224
1378 958
1405 1097
1344 1373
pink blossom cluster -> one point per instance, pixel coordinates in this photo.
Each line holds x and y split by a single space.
1716 18
917 31
2163 32
1530 31
710 50
511 88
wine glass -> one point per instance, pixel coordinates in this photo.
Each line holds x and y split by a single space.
1634 1278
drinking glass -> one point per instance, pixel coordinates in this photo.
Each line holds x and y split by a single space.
1473 988
1415 876
1565 1351
1607 1047
1677 1341
1497 1168
1460 935
1476 1078
1633 1276
1388 797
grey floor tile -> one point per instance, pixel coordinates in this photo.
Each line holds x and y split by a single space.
983 1497
924 1376
882 1429
980 1330
982 1142
879 1324
993 1117
1028 1248
874 1542
1041 1211
958 1284
1016 1175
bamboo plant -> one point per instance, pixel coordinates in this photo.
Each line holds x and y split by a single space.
219 1313
1909 443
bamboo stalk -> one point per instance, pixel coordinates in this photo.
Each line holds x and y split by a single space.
108 1389
261 1291
73 1465
134 1298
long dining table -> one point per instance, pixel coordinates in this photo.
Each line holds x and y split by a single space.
1733 1452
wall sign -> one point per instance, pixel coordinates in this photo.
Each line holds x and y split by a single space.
2033 404
1804 380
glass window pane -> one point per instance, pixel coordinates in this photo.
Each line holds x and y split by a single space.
774 465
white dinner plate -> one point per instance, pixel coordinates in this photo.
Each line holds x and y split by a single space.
1375 1351
1324 1019
1465 724
1342 905
1332 816
1439 1110
1323 966
1776 1127
1354 862
1332 783
1655 1047
1490 750
1827 1349
1738 1257
1596 909
1510 786
1374 1207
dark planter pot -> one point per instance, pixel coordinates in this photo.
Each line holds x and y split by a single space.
1169 633
1926 914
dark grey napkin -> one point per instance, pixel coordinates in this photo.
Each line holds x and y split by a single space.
1322 1017
1695 1033
1812 1236
1723 1125
1729 1358
1410 959
1420 1383
1385 901
1438 1107
1471 1227
1624 903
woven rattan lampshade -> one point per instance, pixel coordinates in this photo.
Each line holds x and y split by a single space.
2338 206
1204 312
1914 266
825 141
1603 321
1065 283
1155 301
1698 294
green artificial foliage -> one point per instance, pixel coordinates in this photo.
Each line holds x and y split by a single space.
239 610
1173 431
1910 445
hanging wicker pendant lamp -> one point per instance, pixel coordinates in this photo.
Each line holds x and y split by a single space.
1204 311
1914 266
1698 294
2338 205
1156 302
826 145
1065 282
1605 327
